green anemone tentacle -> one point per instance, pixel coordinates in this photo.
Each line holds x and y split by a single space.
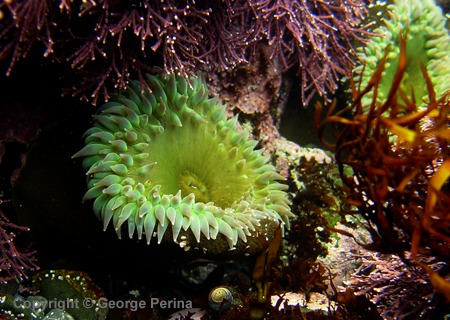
423 25
170 159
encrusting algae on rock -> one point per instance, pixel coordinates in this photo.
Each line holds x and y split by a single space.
168 159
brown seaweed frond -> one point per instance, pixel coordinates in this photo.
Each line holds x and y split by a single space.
398 151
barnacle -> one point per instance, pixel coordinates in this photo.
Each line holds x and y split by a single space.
166 157
423 25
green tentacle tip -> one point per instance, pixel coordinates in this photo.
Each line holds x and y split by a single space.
167 164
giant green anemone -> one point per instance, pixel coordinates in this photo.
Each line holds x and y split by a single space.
167 163
423 26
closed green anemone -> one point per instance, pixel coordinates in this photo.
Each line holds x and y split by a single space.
167 163
423 25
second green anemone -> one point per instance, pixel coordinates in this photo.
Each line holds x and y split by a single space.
423 25
167 163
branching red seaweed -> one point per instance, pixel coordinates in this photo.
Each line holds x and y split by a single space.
103 42
14 264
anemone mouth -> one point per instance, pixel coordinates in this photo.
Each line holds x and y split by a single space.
180 155
171 158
